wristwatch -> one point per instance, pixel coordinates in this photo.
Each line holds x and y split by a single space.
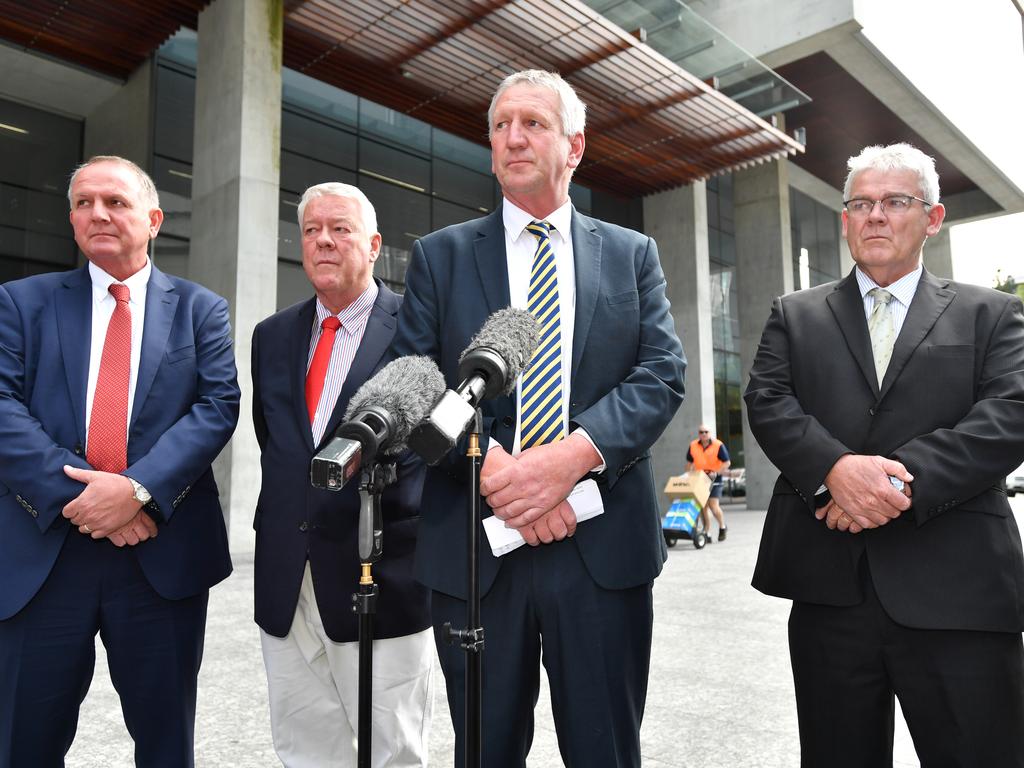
141 495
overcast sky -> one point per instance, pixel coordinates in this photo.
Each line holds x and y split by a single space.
968 59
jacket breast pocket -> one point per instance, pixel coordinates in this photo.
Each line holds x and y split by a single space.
952 351
176 356
624 300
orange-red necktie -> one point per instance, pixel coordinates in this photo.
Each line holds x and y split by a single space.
318 367
107 443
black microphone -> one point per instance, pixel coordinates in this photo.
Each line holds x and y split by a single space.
379 418
488 367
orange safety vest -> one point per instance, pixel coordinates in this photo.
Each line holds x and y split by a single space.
706 458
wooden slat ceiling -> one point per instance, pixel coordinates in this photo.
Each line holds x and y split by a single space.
109 37
651 125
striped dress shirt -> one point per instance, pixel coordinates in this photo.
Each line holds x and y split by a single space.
353 320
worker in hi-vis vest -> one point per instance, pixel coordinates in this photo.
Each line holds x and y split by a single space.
709 455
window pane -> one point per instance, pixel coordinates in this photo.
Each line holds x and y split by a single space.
394 126
460 185
384 163
321 141
175 106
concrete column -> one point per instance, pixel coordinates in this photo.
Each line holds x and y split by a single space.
764 258
678 221
938 254
236 168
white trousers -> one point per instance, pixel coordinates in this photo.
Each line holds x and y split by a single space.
314 694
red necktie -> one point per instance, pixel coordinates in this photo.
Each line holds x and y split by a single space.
318 368
108 426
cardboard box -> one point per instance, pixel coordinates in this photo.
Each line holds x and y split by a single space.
692 485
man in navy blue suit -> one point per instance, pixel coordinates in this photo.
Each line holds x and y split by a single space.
117 391
604 384
307 362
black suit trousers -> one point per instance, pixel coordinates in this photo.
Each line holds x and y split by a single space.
596 647
961 692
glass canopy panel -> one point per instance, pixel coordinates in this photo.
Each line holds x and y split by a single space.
679 34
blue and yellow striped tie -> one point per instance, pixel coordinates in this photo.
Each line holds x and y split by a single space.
541 402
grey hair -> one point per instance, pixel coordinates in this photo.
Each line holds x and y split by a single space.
337 189
149 194
572 111
896 157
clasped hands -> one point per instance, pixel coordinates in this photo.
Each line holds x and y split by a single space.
862 495
106 508
529 491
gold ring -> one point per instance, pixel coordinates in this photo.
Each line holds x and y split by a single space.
86 528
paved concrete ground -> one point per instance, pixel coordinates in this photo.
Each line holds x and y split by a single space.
720 689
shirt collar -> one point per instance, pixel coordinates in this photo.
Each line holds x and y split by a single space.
515 219
355 314
902 290
101 282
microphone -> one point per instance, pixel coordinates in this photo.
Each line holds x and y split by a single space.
488 367
379 417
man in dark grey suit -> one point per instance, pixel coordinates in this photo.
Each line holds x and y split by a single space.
892 402
609 373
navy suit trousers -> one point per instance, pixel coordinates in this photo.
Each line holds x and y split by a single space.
595 645
47 654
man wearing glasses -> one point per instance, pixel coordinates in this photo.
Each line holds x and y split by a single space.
892 402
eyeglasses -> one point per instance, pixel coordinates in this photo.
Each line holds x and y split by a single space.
892 205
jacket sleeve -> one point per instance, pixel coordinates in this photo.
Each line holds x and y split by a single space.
31 463
954 464
187 449
793 440
627 420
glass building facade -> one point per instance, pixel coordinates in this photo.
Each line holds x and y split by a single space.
38 149
725 318
815 235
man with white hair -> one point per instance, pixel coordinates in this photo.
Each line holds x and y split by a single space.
307 362
892 402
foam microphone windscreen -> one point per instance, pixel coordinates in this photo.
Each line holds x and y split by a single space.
405 389
511 333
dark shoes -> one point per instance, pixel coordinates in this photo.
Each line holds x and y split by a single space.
722 533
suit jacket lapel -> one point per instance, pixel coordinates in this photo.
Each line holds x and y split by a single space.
586 250
847 305
492 262
74 313
161 304
380 329
298 357
929 302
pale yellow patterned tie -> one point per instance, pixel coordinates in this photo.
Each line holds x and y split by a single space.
882 330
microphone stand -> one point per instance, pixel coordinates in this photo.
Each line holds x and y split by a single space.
471 639
372 482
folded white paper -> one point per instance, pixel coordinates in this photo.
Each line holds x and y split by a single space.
585 500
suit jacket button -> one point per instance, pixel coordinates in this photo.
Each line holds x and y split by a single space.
508 422
78 449
871 411
303 526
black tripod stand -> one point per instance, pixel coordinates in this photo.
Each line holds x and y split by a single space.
471 639
372 482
